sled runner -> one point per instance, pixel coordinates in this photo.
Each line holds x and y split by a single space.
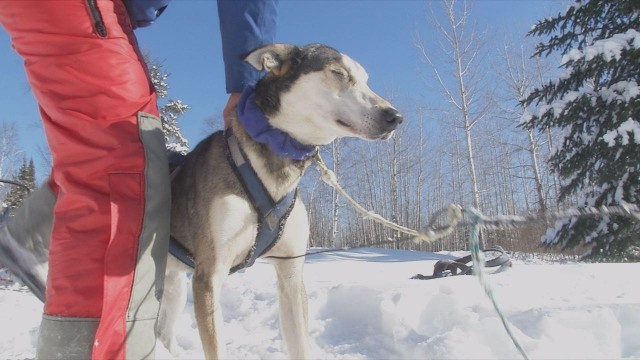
463 266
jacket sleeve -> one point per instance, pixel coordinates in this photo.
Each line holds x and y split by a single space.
244 26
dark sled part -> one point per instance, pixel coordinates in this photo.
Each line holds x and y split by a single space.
464 266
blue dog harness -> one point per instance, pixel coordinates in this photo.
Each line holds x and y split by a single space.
272 215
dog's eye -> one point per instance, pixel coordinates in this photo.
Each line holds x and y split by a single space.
341 74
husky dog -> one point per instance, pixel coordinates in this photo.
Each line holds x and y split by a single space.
313 94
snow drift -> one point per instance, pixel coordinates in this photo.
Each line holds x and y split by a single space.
362 304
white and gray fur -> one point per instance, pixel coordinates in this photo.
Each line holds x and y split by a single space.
313 93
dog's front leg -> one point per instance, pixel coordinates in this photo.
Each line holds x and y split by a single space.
293 308
206 303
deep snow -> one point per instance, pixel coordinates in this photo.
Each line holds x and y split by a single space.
362 304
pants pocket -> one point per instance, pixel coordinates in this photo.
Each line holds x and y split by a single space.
96 18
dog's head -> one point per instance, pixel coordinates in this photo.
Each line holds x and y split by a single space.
317 94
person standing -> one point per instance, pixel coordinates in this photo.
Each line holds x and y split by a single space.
106 205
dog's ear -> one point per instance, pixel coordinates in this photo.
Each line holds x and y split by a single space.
272 58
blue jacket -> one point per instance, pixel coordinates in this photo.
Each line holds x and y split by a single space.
244 26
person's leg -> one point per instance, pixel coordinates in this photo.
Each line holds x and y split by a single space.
111 217
32 221
24 239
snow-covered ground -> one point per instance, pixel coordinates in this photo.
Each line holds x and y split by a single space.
362 304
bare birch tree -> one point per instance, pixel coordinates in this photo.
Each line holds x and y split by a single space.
461 81
335 205
520 78
10 157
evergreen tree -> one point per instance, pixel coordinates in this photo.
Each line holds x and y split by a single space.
27 178
596 105
170 110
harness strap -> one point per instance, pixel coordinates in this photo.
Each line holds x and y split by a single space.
181 253
252 184
272 215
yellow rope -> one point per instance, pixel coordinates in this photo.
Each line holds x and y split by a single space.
430 236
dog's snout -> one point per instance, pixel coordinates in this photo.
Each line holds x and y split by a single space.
392 117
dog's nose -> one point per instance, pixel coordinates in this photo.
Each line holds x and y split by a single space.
392 117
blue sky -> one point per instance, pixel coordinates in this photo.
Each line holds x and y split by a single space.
378 34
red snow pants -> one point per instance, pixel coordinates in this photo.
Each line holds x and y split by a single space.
110 177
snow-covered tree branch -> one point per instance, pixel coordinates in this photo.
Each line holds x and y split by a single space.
596 105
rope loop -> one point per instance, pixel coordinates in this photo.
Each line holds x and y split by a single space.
477 256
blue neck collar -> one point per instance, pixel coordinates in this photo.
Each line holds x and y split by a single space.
258 127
